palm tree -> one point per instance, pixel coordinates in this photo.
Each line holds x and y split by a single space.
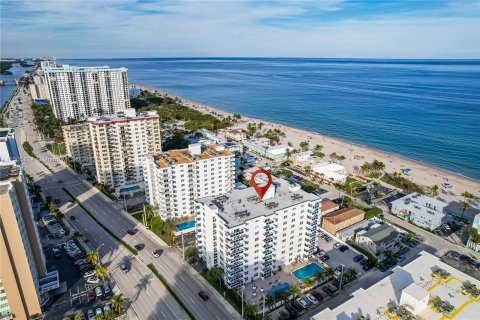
465 207
97 317
282 296
365 168
319 276
269 302
109 315
434 190
308 282
288 154
251 310
467 195
92 257
474 237
216 273
101 273
318 148
304 145
117 303
290 144
307 170
295 291
78 317
329 272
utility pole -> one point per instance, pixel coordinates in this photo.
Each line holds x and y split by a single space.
183 248
243 287
341 280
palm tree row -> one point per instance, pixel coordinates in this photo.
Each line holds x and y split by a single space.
117 309
374 168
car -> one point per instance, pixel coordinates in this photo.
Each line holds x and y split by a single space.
325 258
344 248
401 258
90 314
446 227
124 268
131 232
337 245
91 296
57 201
157 253
312 298
367 266
93 280
106 308
302 302
98 311
291 309
297 306
80 262
56 253
364 262
72 217
203 295
317 295
89 274
98 291
139 246
383 267
106 289
358 258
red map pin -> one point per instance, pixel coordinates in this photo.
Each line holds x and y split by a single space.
261 190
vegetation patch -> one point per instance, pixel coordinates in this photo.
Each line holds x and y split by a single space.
373 212
57 148
105 191
46 122
164 282
395 179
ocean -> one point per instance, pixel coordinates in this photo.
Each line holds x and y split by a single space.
424 110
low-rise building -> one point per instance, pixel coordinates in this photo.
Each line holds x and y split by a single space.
301 157
425 288
422 210
378 239
329 206
217 139
330 172
337 220
262 147
349 233
251 238
235 134
174 179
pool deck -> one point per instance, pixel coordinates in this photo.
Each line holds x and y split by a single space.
280 277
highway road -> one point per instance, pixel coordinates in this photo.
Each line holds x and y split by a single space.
152 301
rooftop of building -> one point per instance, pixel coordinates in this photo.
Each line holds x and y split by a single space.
342 215
416 201
239 206
9 170
355 228
5 133
69 68
127 115
333 167
74 127
329 205
418 280
380 233
174 157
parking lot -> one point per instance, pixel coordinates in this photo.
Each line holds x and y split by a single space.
452 231
463 263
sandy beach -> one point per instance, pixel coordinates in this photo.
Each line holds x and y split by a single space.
420 174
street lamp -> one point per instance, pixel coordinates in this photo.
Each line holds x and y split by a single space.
98 253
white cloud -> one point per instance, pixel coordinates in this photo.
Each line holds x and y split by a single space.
229 28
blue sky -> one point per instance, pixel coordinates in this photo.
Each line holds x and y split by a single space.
241 28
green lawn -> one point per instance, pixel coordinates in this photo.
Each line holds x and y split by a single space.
57 148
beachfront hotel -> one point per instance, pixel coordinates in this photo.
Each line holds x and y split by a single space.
24 279
251 238
120 143
262 147
81 92
174 179
425 288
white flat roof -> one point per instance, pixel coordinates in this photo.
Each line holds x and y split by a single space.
328 167
373 302
416 201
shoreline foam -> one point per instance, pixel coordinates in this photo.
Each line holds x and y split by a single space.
422 173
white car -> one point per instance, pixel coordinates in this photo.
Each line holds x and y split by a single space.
98 311
89 274
337 245
93 280
106 308
312 298
98 291
302 302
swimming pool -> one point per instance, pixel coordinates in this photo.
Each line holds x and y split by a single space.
281 287
185 225
307 271
129 189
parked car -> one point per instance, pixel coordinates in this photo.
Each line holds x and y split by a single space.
325 258
56 253
90 314
297 306
302 302
401 258
106 289
312 298
72 217
98 291
106 308
93 280
98 311
157 253
124 268
358 258
291 309
337 245
317 295
91 296
367 266
139 246
203 295
344 248
89 274
132 232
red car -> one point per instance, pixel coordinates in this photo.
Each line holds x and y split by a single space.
91 296
317 295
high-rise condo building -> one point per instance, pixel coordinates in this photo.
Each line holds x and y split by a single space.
251 238
81 92
174 179
78 144
120 143
24 280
